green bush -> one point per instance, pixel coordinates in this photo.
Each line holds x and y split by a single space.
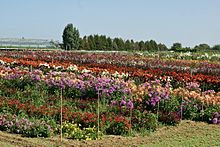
145 120
171 105
192 109
73 131
38 130
24 126
207 112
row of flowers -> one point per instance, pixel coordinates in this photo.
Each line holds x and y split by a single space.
87 85
78 85
211 56
118 72
109 122
119 59
14 124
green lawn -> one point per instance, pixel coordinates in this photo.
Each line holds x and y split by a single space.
187 134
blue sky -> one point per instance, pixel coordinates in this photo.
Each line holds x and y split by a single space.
167 21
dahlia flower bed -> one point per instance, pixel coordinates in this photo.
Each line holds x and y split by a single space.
85 96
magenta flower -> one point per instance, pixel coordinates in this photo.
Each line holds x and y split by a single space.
123 103
130 104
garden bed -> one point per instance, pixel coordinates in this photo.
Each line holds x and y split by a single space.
47 97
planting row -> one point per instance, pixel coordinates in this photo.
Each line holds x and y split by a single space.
86 85
120 60
206 81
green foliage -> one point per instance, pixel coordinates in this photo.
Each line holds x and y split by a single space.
38 130
101 42
162 47
18 82
153 45
192 109
141 45
176 47
202 47
171 105
71 38
216 47
143 121
207 112
128 45
14 124
119 43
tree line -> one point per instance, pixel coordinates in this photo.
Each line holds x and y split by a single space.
101 42
73 41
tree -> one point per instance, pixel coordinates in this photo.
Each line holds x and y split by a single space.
91 43
176 46
153 45
141 45
202 47
162 47
136 46
71 38
216 47
147 45
81 44
128 45
109 44
97 42
120 43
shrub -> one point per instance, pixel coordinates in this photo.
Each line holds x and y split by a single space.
145 120
73 131
12 123
118 126
172 118
173 104
39 129
192 109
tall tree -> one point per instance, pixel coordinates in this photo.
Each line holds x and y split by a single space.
176 46
141 45
91 43
153 45
202 47
128 45
162 47
216 47
71 39
120 43
97 42
109 44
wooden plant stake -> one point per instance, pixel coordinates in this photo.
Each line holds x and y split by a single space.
181 109
61 114
98 112
158 106
130 122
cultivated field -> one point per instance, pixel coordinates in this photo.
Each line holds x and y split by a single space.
110 98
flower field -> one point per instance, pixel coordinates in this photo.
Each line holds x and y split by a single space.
84 96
